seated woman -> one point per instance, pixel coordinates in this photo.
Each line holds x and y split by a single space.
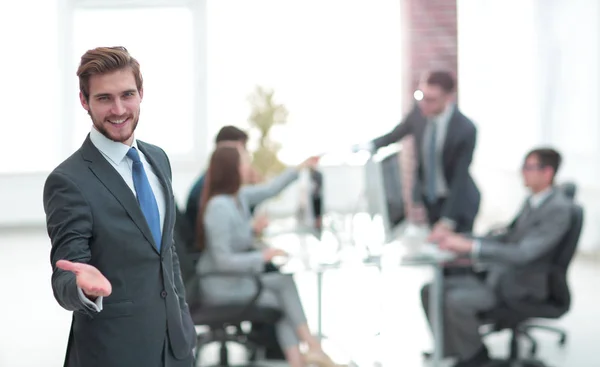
226 240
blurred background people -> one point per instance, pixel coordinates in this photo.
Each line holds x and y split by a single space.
226 239
445 141
229 134
528 244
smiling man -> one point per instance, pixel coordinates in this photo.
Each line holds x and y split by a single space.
110 214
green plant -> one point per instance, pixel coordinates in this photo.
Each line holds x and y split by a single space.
265 114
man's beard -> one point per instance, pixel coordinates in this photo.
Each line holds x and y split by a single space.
101 127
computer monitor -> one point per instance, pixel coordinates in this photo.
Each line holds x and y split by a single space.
384 191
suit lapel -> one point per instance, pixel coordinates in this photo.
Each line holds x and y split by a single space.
168 190
534 214
450 129
113 181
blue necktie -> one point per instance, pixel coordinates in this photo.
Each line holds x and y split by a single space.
145 196
432 164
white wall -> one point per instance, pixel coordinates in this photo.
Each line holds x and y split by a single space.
528 74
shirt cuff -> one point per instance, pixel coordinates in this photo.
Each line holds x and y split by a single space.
369 147
95 306
449 223
476 249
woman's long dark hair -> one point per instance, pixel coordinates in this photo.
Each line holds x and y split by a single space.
222 177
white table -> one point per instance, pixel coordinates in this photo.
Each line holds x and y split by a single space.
425 255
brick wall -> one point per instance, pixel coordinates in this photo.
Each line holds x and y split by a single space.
429 42
429 39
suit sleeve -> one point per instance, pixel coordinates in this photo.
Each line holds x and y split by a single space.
538 241
69 223
403 129
256 194
460 176
177 278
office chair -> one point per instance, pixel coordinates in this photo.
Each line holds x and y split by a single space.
570 190
515 315
224 321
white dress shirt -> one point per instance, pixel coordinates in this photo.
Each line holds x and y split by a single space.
115 153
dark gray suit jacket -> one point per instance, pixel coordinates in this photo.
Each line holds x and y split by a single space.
462 203
93 217
519 257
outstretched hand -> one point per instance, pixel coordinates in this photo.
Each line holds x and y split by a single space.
89 279
311 162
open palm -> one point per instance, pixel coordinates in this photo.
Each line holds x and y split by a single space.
89 279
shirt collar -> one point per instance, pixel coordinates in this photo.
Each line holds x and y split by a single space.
113 150
537 199
445 115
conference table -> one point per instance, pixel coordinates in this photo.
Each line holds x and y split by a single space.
424 255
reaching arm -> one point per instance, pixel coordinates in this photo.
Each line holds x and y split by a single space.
69 224
460 176
219 223
403 129
538 241
255 194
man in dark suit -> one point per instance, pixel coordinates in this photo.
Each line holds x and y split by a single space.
445 141
110 213
529 242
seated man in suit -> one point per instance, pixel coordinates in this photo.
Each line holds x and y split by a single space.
530 240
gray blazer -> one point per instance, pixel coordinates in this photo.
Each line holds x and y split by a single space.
527 244
230 241
93 217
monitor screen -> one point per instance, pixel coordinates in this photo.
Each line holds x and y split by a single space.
384 191
392 188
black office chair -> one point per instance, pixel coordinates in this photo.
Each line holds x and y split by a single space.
515 315
570 190
224 321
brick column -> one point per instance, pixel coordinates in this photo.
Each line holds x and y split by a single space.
429 42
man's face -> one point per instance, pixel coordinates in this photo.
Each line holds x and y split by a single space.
114 104
434 100
535 176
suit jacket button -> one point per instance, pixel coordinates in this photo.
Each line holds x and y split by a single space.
163 294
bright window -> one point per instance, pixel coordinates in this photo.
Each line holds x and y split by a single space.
335 65
161 39
30 126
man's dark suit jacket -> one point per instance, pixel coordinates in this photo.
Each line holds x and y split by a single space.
93 217
462 203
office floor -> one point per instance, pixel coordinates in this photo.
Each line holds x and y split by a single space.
358 304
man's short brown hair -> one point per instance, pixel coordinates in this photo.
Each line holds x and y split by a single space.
103 60
442 79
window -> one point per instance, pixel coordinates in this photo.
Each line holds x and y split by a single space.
30 137
335 65
162 40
